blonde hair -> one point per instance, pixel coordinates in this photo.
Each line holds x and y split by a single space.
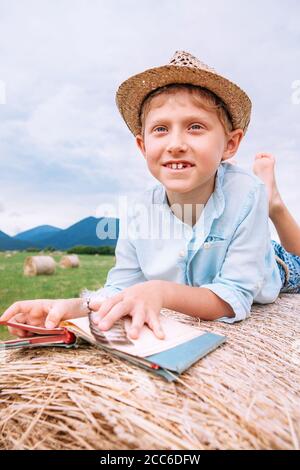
202 97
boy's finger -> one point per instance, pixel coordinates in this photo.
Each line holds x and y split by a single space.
36 318
54 317
155 326
14 330
95 304
138 321
14 309
20 318
118 311
108 304
33 318
17 332
37 313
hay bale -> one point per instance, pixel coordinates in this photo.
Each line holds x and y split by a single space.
36 265
244 395
69 261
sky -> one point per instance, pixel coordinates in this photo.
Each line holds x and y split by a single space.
65 152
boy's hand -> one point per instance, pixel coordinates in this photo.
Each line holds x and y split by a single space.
142 302
43 312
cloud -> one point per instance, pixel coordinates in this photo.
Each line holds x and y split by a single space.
14 214
62 139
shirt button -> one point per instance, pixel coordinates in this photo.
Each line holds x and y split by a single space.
181 253
206 245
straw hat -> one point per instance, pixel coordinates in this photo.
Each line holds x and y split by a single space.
182 68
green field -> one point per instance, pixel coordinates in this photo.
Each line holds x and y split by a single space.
65 283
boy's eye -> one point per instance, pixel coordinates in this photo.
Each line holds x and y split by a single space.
159 128
163 128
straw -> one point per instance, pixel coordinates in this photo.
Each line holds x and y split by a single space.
244 395
183 68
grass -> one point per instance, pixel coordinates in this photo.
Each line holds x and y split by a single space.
65 283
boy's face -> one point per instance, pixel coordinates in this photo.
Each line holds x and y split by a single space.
178 131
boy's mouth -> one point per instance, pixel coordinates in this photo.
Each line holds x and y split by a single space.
178 165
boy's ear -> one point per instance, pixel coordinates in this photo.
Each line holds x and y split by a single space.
141 144
233 143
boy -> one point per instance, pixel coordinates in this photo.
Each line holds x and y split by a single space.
188 121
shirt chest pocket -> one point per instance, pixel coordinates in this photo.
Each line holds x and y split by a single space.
208 261
213 242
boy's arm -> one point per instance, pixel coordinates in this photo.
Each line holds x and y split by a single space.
194 301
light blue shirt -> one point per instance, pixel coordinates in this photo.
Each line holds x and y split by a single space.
228 250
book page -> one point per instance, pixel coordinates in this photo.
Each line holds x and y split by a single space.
147 344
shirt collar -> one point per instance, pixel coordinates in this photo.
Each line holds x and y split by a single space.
216 203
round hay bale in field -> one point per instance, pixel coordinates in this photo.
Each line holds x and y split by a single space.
36 265
244 395
69 261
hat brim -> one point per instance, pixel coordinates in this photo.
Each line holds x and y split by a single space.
132 92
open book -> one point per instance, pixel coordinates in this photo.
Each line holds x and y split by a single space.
183 344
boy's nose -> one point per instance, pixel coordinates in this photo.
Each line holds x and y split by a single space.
176 146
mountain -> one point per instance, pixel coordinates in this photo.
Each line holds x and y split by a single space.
9 243
38 234
83 232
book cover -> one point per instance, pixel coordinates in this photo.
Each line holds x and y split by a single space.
182 347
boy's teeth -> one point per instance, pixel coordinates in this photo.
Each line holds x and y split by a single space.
177 166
